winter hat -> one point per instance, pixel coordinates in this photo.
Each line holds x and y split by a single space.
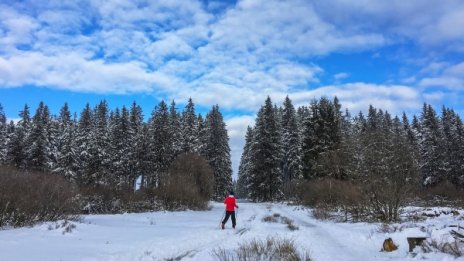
231 192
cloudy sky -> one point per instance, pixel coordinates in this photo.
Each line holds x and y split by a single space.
393 54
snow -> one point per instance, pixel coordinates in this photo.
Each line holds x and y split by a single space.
193 235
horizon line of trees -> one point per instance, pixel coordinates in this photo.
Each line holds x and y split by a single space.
114 148
289 146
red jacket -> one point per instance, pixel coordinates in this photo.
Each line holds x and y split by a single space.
230 203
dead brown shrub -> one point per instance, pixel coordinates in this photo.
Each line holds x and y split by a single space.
188 183
28 197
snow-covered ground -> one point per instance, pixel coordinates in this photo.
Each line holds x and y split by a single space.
193 235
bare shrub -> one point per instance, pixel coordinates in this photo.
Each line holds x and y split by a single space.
30 197
270 219
455 248
189 183
444 193
326 195
98 200
269 249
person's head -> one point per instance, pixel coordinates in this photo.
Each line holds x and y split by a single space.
231 192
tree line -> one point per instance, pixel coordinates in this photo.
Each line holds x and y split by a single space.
114 148
289 146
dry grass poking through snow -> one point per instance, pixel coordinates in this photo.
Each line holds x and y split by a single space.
276 217
270 249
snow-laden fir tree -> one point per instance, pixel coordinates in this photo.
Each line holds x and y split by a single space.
67 159
291 150
217 152
137 154
432 149
160 143
37 142
189 128
321 139
265 177
99 165
83 142
119 149
453 138
176 129
17 142
3 136
244 168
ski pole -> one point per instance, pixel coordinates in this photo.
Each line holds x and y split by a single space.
223 215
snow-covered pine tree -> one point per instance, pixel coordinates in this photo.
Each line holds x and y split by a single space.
67 161
37 142
217 152
244 167
82 146
189 128
291 167
137 154
202 136
17 142
321 140
431 146
3 136
265 173
176 129
452 130
160 143
99 165
119 148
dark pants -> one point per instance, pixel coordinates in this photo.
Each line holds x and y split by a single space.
232 214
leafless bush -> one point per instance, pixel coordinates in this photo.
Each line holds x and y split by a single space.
30 197
270 219
455 248
327 195
189 183
269 249
444 193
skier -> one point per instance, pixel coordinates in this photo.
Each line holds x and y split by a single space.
230 209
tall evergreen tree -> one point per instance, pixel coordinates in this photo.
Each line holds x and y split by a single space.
161 140
189 128
67 159
321 140
17 154
217 152
120 148
292 166
265 173
3 136
176 129
138 160
431 148
244 168
83 142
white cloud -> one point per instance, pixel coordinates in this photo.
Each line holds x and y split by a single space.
450 77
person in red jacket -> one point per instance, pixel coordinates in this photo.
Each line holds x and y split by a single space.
230 209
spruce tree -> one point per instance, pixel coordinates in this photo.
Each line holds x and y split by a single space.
265 173
217 152
176 129
17 151
291 167
67 159
3 136
189 128
160 143
137 154
244 173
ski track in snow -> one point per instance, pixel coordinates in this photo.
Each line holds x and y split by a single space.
194 235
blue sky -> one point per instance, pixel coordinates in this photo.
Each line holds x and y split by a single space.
393 54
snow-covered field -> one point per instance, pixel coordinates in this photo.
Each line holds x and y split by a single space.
193 235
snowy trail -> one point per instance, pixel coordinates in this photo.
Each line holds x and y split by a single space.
192 235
